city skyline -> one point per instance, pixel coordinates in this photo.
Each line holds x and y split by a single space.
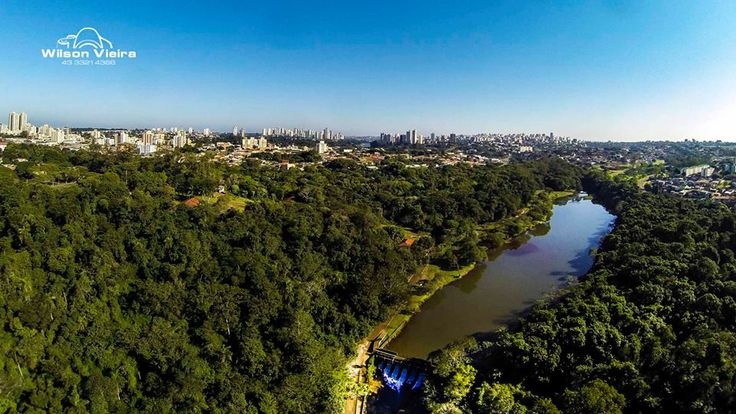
593 71
19 122
413 136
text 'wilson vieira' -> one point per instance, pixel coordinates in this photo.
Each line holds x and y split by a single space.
84 54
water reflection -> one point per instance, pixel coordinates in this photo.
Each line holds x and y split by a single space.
527 248
473 278
510 280
541 229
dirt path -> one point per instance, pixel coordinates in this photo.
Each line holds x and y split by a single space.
356 367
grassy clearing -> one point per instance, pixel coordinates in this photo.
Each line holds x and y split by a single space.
62 185
555 195
53 174
615 173
433 279
426 282
407 233
226 201
642 181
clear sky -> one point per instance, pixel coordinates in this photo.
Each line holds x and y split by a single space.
597 70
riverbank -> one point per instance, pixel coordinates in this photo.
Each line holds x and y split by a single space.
539 211
431 278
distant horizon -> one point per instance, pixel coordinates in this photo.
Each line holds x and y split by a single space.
595 71
3 120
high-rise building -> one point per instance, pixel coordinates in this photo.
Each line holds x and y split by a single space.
14 122
44 130
146 149
206 132
254 143
180 140
122 138
321 147
56 135
23 119
327 134
147 138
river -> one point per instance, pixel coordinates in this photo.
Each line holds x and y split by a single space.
512 278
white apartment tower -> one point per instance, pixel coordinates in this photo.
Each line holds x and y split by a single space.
180 140
122 138
23 121
14 122
17 122
147 138
321 147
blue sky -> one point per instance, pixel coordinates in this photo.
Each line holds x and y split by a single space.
597 70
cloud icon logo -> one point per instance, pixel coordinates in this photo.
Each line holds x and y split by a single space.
86 37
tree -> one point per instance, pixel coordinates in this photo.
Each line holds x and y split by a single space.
499 398
594 397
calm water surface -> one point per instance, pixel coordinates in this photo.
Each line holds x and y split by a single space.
510 281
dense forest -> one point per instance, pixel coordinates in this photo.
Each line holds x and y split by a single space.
119 293
652 327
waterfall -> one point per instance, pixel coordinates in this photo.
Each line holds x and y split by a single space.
418 384
395 372
387 370
412 377
402 378
399 374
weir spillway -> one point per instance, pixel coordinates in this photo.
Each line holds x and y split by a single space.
398 372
